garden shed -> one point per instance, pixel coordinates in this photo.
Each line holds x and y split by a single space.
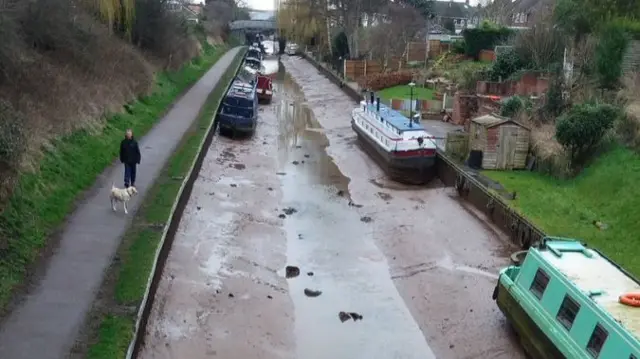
502 142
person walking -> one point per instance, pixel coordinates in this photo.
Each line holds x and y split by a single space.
130 157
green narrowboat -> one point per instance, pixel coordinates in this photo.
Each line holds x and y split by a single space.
564 300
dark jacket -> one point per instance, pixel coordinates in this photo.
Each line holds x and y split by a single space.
129 151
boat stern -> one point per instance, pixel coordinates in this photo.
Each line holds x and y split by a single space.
236 123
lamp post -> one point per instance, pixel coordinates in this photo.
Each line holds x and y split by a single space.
411 85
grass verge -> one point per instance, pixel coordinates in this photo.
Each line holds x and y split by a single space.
607 192
43 199
137 252
404 92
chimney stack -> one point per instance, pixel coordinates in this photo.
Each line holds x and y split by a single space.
378 104
372 97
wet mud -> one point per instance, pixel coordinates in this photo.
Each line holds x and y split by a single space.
442 259
222 294
392 271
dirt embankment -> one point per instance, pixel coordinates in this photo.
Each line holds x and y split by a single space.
61 70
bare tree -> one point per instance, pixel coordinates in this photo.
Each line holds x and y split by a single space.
400 25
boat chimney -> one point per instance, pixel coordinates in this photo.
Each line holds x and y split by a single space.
372 94
378 104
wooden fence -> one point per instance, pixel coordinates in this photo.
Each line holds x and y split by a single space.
356 69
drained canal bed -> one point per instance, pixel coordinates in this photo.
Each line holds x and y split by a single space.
294 245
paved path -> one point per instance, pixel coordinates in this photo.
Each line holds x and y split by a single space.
47 323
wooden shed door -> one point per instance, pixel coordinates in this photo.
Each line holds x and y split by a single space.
508 143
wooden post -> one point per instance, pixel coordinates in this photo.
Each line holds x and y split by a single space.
365 68
344 69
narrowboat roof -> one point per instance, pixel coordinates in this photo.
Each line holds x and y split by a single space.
591 272
241 89
395 118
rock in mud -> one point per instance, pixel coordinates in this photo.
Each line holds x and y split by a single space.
344 316
366 219
312 293
351 204
295 163
384 196
281 173
291 271
340 193
307 156
310 274
233 185
355 316
282 216
231 295
198 208
289 211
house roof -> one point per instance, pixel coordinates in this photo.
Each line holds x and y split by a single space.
451 9
526 5
493 120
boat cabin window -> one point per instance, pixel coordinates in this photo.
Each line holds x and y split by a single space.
540 282
596 342
568 312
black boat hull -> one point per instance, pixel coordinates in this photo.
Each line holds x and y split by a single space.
535 343
413 170
231 126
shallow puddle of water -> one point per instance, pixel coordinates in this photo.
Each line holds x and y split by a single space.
301 141
342 271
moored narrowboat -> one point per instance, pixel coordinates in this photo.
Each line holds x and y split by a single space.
402 147
569 301
239 109
264 88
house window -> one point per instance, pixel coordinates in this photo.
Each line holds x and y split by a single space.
568 312
596 342
539 284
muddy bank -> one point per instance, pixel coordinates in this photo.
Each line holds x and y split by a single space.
442 259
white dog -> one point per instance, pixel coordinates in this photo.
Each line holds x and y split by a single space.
121 195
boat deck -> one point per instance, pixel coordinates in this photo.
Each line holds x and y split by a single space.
395 118
598 274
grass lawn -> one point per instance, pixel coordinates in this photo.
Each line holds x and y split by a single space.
404 92
137 251
607 191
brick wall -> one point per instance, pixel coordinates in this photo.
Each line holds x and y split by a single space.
464 106
487 55
529 84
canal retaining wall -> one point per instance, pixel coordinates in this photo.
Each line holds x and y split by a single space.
520 230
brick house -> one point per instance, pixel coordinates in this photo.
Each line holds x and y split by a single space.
458 12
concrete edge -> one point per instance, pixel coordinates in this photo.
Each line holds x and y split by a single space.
520 230
171 226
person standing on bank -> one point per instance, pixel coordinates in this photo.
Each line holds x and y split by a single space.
130 157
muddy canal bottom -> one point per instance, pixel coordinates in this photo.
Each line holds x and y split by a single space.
346 305
274 258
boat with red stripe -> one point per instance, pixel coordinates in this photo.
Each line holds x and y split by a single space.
403 148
